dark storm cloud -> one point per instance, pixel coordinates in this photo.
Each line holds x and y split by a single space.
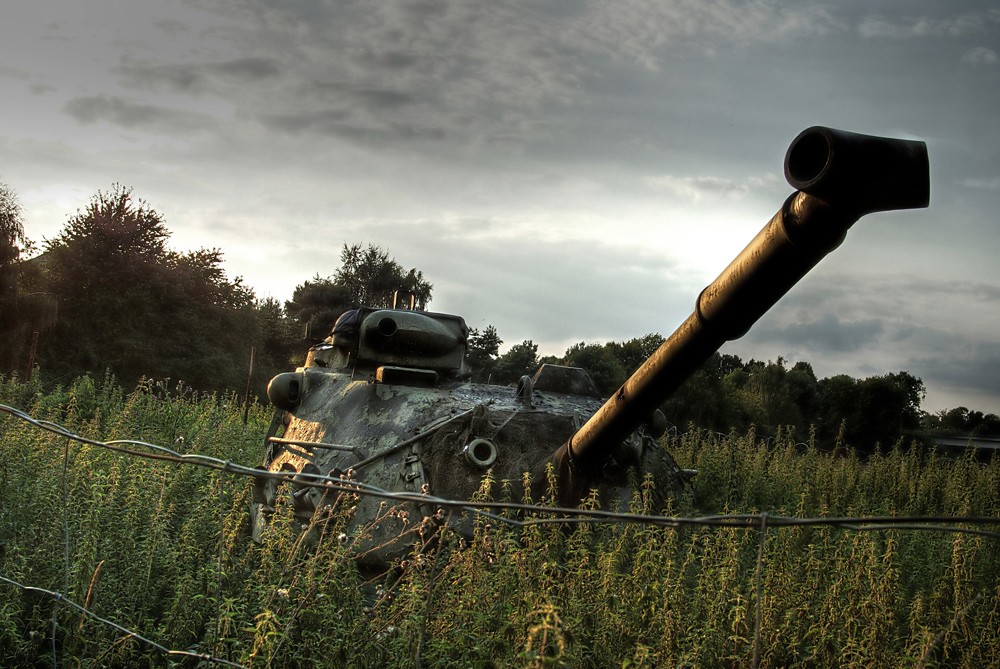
369 98
828 333
545 131
955 359
245 70
491 73
866 324
389 60
38 89
323 121
135 116
637 29
339 123
957 368
14 73
197 77
894 291
381 98
976 367
27 77
356 113
890 295
170 27
468 61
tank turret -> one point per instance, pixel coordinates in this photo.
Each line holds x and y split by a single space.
386 399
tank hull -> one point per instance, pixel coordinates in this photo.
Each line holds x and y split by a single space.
441 441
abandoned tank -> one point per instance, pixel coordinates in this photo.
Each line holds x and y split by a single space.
386 399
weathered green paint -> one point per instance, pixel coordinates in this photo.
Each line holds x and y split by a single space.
349 407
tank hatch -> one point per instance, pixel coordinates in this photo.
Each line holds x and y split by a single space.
395 346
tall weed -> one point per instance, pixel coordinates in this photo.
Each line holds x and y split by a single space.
164 550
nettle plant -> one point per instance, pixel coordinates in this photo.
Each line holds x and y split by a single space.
163 550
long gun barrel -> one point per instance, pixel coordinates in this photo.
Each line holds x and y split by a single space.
839 176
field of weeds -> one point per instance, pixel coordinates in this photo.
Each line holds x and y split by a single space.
163 550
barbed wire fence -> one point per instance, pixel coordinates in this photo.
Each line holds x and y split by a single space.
550 515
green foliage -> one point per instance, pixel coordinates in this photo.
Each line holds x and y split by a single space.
317 304
961 420
145 539
727 394
520 360
279 341
482 351
21 313
367 278
877 409
601 364
130 305
705 399
12 237
632 353
372 277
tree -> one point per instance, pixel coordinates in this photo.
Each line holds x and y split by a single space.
879 413
11 240
632 353
729 363
520 360
279 342
367 278
20 313
955 420
317 303
107 271
837 404
600 363
875 409
914 392
704 400
989 427
803 392
372 277
130 305
482 351
786 397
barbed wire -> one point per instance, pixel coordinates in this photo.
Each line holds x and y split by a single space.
59 597
559 515
485 509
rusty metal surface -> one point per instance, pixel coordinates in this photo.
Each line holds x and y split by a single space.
412 438
440 440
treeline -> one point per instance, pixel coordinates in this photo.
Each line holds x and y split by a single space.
728 394
118 299
963 421
107 294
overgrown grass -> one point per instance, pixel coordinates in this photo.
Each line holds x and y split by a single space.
144 551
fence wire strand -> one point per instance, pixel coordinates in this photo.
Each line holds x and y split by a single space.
491 510
59 597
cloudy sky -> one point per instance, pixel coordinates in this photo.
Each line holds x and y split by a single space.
567 171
